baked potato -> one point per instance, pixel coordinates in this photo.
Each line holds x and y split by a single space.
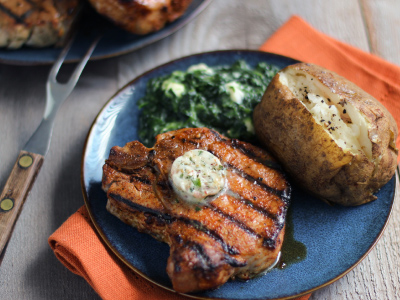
334 139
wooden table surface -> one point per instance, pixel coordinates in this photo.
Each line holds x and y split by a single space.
30 270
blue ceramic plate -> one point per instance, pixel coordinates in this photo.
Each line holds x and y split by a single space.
115 41
335 238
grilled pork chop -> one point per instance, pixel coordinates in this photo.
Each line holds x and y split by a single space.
36 23
141 16
236 235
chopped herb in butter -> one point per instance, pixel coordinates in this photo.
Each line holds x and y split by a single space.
196 176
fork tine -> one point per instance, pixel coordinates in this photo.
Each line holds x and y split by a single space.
60 59
64 89
78 70
56 93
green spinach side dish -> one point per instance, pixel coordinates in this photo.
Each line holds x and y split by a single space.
220 98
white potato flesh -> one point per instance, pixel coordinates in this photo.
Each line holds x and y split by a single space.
345 124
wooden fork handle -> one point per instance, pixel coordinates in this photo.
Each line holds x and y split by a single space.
15 191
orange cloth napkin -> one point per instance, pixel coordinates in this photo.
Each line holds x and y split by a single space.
77 245
80 249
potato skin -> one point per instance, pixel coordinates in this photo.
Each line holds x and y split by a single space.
309 153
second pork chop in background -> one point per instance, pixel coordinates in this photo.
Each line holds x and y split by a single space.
141 17
36 23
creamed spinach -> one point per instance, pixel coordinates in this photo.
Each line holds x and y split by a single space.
220 98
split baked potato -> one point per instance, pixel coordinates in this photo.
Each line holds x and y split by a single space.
337 141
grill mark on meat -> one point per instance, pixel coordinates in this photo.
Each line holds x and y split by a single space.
143 180
18 19
280 194
34 5
252 195
234 262
151 154
218 136
128 171
166 218
126 1
164 184
31 2
158 214
164 9
204 259
151 219
247 229
283 195
251 154
196 143
236 144
268 242
257 208
212 233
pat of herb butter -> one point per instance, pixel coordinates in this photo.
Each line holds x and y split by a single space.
197 175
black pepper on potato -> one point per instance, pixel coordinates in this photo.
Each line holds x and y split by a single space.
336 140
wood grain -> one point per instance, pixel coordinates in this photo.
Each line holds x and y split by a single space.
377 276
383 24
15 192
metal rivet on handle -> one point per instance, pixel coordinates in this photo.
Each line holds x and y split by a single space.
25 161
6 204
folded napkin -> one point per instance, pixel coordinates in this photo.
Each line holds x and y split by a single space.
77 245
81 250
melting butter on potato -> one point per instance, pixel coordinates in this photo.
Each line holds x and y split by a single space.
336 140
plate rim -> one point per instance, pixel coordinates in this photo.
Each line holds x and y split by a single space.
193 296
164 34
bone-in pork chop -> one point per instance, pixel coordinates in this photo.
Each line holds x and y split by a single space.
236 232
36 23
